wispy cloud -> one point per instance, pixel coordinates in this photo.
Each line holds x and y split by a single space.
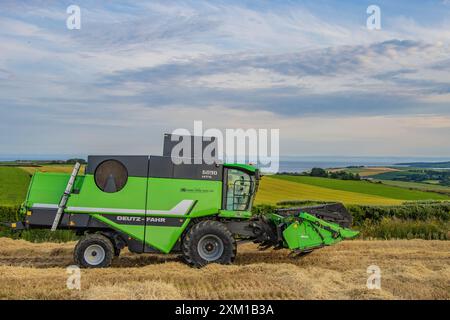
141 68
338 80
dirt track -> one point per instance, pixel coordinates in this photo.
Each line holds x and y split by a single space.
414 269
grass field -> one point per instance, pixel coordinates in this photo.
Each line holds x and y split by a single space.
13 185
393 175
364 188
14 181
417 186
411 269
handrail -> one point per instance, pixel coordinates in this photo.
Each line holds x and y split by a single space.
65 197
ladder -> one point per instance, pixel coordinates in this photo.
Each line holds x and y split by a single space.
65 197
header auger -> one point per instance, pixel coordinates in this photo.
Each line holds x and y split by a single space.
152 205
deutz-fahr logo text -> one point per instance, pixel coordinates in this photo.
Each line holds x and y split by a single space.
140 219
155 219
129 219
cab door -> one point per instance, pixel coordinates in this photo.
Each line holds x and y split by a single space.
238 190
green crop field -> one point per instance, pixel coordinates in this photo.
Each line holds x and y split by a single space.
393 175
364 188
417 185
13 185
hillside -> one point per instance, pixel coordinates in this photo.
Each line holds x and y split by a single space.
365 171
365 187
417 186
273 190
63 168
13 185
278 187
444 164
14 181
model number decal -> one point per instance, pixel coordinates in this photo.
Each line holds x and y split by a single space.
210 172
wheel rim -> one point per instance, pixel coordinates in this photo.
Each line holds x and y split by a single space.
210 247
94 254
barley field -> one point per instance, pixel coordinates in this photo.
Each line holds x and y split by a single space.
366 171
62 168
410 269
365 188
273 190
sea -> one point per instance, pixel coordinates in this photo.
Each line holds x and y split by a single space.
286 164
301 164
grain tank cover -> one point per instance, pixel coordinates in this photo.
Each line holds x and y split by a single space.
112 172
136 166
163 167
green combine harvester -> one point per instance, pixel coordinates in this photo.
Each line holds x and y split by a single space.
152 205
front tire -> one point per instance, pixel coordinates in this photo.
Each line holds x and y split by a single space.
209 242
94 251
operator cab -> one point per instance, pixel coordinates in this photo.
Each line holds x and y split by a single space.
240 186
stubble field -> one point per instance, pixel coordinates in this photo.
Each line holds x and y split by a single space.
410 269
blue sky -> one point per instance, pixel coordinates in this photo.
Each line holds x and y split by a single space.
309 68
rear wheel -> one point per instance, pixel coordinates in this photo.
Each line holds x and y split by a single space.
209 242
94 251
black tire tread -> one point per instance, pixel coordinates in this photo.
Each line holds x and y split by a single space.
189 245
92 238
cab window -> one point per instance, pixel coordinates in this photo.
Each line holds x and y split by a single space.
239 190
